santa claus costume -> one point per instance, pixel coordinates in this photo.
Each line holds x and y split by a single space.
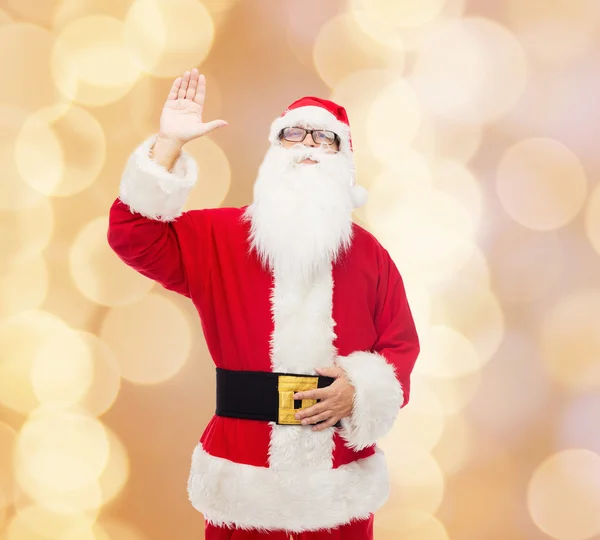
283 286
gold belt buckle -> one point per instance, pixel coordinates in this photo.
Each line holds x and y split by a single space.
287 386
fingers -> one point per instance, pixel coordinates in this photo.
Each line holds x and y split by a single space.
319 393
326 415
193 85
211 126
200 90
329 423
184 85
174 89
317 408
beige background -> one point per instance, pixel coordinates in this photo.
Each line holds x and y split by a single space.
476 132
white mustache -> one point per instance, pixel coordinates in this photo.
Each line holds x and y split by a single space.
300 153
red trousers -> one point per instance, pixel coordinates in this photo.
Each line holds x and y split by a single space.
355 530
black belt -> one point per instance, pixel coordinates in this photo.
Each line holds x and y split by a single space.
264 395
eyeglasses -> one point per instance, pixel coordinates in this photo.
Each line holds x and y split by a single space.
319 136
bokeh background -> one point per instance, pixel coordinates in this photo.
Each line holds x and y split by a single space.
476 134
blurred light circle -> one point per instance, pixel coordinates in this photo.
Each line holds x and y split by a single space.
90 62
433 235
32 10
592 219
423 422
455 446
26 232
21 338
4 18
564 495
97 271
15 193
167 37
455 179
422 526
454 393
452 75
555 30
62 449
341 49
526 264
26 79
23 284
113 529
117 471
476 269
472 310
577 427
61 372
8 491
447 353
35 522
60 150
541 184
393 120
400 13
151 339
106 376
456 141
214 174
414 473
570 339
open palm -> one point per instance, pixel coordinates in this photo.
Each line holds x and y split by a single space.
181 117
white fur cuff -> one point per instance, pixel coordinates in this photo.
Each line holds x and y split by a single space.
378 397
149 189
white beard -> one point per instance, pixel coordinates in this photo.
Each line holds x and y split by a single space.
301 217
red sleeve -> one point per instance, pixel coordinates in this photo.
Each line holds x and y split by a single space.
381 376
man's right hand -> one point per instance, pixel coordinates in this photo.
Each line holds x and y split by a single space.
181 118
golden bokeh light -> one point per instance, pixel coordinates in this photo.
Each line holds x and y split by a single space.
8 487
452 75
168 37
97 271
26 232
35 522
455 446
433 235
26 77
62 449
423 422
15 193
4 18
112 529
415 476
454 393
400 14
393 120
570 340
592 219
455 179
527 264
91 63
341 49
447 353
214 174
480 319
151 339
21 338
416 526
564 495
456 141
541 183
555 30
106 376
61 372
23 284
60 150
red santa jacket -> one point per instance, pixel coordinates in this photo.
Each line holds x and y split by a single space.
254 474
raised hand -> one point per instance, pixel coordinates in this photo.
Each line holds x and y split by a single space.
181 117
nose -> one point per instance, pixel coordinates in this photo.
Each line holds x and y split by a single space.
311 142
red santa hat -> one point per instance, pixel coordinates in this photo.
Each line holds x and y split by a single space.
316 113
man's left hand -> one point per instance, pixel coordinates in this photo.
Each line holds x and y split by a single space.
335 404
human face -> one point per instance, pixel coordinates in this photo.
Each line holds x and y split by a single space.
309 141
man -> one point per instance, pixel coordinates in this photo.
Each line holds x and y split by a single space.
304 314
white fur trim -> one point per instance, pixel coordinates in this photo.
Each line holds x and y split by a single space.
359 196
302 340
378 397
316 118
151 190
247 497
